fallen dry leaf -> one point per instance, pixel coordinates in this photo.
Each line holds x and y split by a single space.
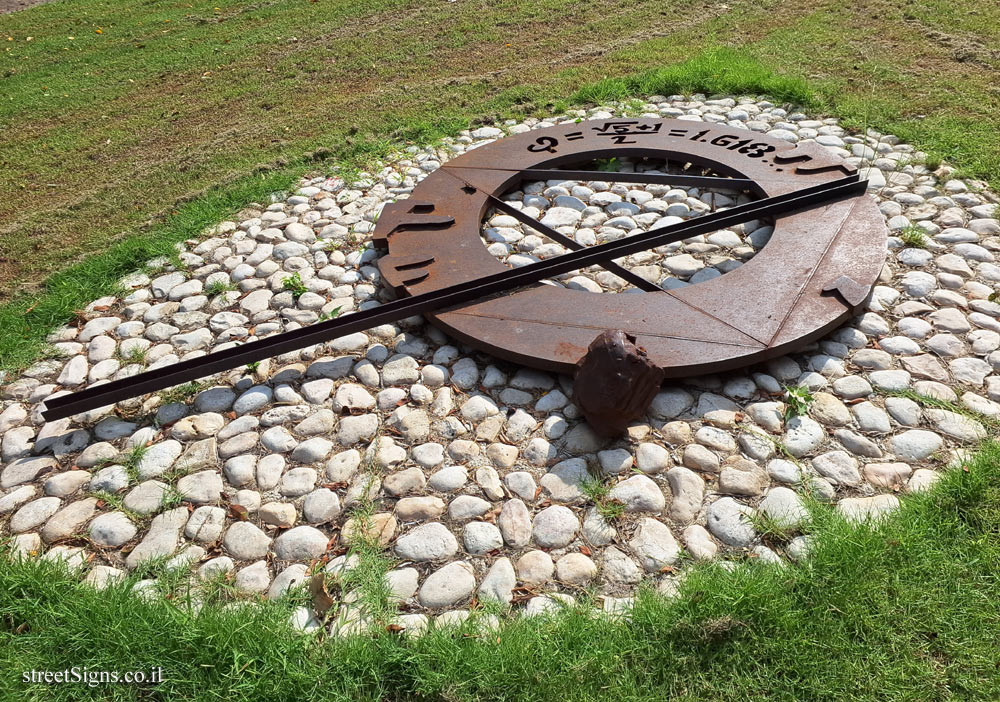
321 599
238 512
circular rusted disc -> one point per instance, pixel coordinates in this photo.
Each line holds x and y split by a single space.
815 272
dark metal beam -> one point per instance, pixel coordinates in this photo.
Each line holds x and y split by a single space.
442 299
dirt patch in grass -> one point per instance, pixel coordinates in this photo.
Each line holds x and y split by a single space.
15 5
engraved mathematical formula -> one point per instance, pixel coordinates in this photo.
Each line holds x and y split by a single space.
633 131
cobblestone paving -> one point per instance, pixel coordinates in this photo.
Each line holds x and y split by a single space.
483 480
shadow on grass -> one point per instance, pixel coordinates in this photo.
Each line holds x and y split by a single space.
906 609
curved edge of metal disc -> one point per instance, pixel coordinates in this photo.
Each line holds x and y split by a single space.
426 254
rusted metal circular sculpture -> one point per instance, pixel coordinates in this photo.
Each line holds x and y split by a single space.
825 253
816 271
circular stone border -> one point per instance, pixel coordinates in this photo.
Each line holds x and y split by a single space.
481 474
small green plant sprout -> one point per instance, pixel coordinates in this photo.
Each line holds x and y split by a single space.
332 314
295 284
332 245
134 354
217 287
914 236
181 393
253 367
607 507
797 401
117 503
171 497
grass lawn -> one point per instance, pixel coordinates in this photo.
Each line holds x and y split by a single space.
126 126
908 609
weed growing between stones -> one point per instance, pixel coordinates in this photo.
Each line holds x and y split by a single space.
181 393
295 285
797 401
117 503
217 287
913 236
332 314
598 492
359 594
134 354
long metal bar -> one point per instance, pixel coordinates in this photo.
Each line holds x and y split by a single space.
690 181
440 300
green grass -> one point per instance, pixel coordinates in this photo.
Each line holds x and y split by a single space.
117 503
135 354
597 492
116 145
181 393
217 287
904 610
365 581
717 71
171 496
